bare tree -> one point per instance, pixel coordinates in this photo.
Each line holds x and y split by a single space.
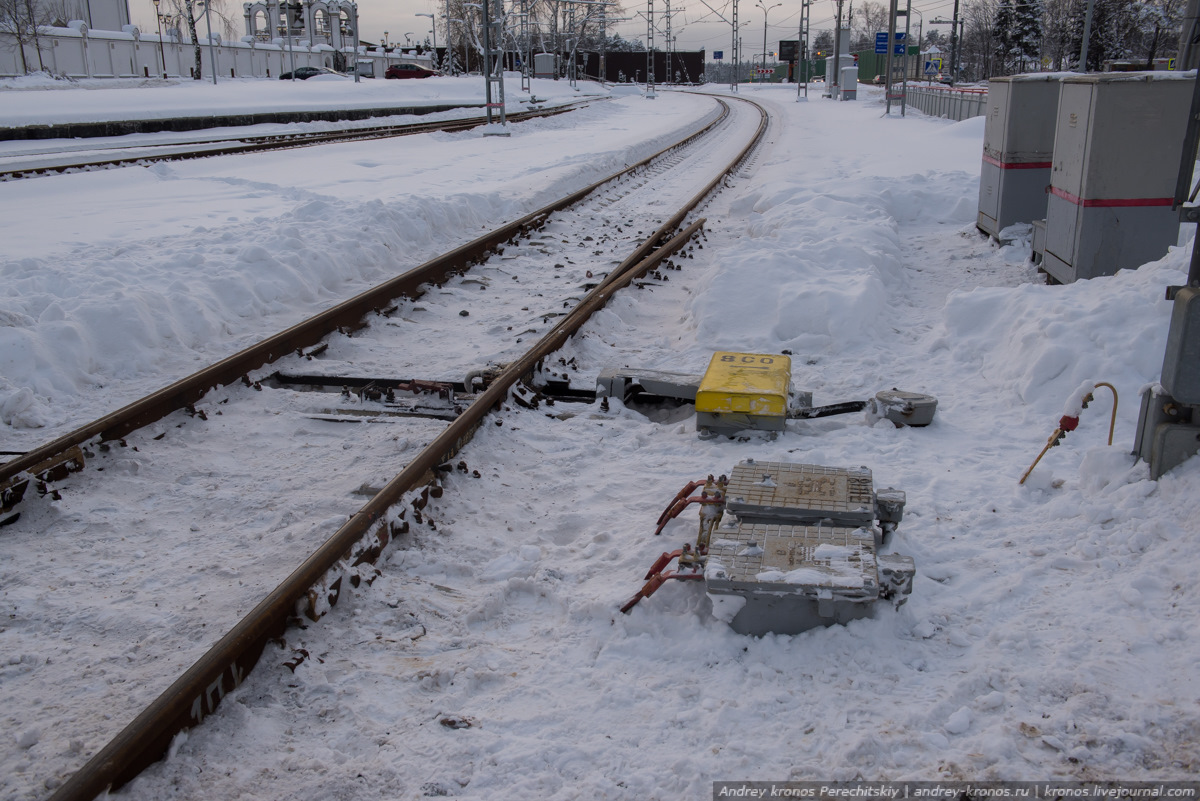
1059 40
867 20
24 19
979 45
823 42
186 13
549 26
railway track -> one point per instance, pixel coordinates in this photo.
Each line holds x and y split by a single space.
41 161
186 447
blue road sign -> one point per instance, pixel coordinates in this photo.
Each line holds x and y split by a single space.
718 55
881 42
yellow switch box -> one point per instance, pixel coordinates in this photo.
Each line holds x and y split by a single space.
744 390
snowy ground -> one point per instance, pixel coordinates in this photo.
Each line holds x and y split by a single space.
1050 633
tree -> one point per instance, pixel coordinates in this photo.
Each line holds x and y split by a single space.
25 19
823 42
616 44
1160 24
187 13
867 20
1059 40
1052 30
977 49
1018 33
1114 28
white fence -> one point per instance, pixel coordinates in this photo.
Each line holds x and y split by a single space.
947 101
76 52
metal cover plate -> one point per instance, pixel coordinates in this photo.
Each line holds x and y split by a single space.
801 493
797 559
748 383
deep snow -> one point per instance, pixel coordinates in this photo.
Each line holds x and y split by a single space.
1051 629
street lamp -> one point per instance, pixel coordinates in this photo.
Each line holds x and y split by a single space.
212 56
956 26
466 43
433 22
162 54
453 65
408 39
765 9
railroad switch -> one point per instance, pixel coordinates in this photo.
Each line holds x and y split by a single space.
786 547
379 397
753 392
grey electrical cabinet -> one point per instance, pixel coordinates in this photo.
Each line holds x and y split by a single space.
545 65
1018 141
849 81
1118 139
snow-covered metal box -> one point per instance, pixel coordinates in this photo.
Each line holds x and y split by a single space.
744 391
1018 142
801 493
1117 146
785 579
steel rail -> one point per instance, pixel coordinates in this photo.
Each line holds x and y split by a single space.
197 692
282 141
348 314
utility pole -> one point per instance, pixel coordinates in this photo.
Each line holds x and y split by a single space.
891 48
954 46
493 77
1189 38
832 81
433 23
449 44
212 56
765 9
907 32
603 43
667 77
1087 34
524 48
354 15
572 39
287 16
802 48
649 49
737 51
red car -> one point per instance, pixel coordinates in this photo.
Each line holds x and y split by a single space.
408 71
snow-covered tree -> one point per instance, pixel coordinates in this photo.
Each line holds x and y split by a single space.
1018 34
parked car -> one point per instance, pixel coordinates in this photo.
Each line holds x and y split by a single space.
408 71
304 73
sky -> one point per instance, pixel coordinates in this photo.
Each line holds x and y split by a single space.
695 27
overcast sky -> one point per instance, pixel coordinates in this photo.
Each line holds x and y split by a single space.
694 25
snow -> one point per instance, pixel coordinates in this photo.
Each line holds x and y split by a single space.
1050 630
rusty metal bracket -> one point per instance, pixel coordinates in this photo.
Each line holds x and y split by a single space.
53 468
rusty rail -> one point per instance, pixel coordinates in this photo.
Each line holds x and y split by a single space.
198 691
187 391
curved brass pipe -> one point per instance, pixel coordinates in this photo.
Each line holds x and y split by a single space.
1059 433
